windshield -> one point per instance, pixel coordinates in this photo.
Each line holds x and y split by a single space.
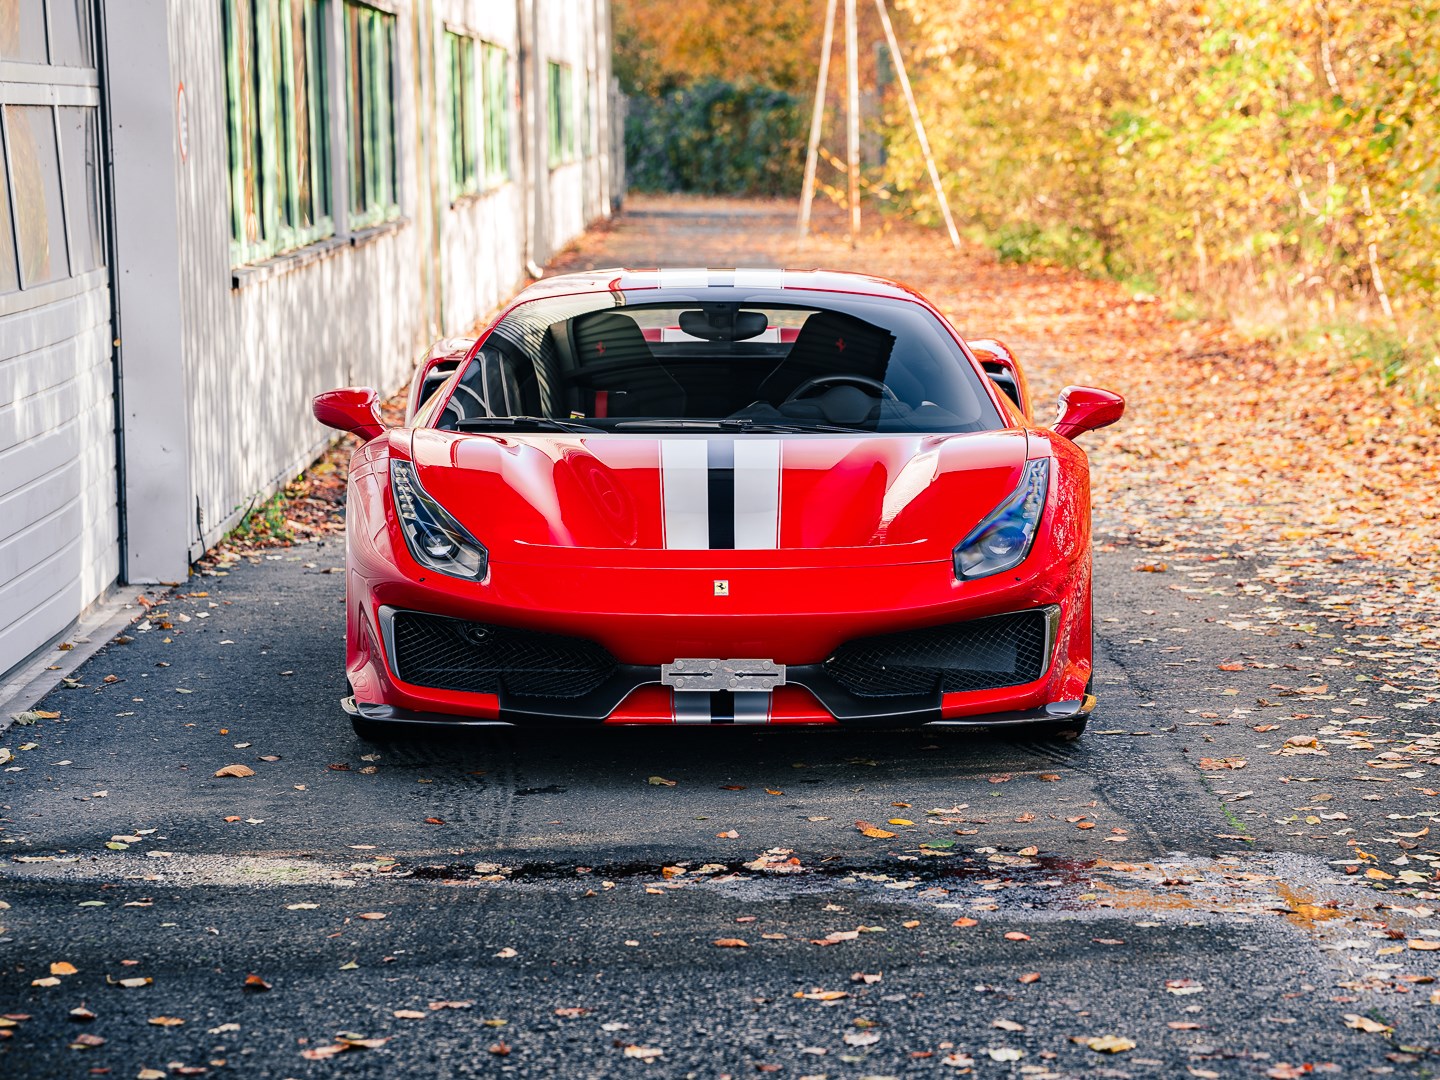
720 359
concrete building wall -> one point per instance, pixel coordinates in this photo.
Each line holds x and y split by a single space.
239 350
220 351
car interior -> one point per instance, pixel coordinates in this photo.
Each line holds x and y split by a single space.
703 364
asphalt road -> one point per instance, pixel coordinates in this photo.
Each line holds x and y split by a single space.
1232 874
556 848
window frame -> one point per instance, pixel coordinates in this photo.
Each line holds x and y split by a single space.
466 166
262 130
560 112
495 114
373 149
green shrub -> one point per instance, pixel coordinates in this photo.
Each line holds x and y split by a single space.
717 138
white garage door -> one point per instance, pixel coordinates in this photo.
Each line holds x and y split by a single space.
59 524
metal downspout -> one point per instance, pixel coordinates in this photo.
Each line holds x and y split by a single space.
112 252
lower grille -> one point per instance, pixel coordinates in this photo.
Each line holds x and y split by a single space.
1005 650
451 654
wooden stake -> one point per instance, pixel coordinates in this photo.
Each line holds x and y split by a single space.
816 120
919 127
852 108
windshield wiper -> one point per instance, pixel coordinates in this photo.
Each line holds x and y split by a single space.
740 424
773 427
521 423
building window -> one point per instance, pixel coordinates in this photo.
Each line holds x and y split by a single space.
37 252
464 126
9 265
279 156
479 108
590 97
561 105
63 40
497 115
370 94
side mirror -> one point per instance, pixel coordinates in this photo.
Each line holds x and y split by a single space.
355 409
1084 408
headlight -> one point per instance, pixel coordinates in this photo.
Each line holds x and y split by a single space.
435 539
1003 539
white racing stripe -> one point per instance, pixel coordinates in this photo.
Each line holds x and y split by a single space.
692 708
684 279
757 493
685 492
752 707
759 279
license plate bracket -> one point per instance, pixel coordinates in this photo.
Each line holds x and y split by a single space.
699 674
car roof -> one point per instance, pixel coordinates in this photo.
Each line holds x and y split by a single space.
625 279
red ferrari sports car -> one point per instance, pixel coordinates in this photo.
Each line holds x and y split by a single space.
718 497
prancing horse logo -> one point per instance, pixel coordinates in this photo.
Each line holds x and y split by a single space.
722 587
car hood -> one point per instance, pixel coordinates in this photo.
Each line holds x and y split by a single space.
704 499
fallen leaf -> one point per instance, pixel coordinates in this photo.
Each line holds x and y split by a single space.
965 920
873 831
507 953
373 916
165 1021
500 1049
642 1053
81 1015
900 821
63 967
822 995
1004 1053
658 781
1029 977
731 943
87 1041
436 1006
1364 1023
408 1014
255 983
235 770
1016 935
1107 1044
861 1038
728 834
1184 986
1423 944
1007 1025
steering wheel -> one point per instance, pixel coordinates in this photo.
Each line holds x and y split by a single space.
859 380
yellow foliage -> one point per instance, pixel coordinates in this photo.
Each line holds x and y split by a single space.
1209 143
